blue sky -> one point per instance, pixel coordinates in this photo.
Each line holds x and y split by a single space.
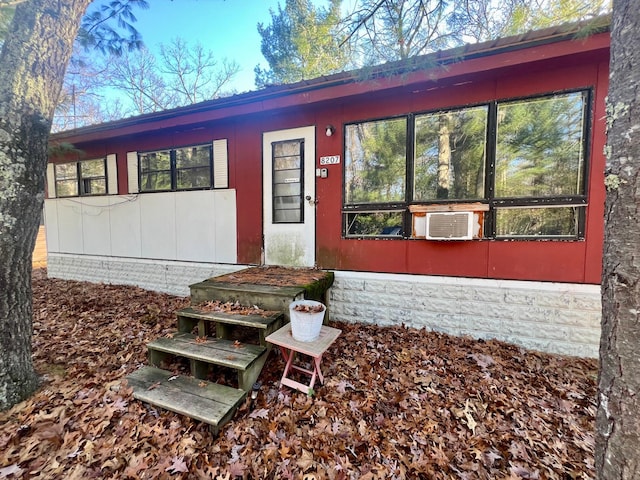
228 27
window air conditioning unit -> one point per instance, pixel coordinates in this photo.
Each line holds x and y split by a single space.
449 226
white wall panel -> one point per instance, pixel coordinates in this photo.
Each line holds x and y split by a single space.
51 224
70 225
195 229
225 223
125 229
96 225
198 226
158 225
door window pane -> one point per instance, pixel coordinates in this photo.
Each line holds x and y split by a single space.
450 154
288 187
540 147
376 161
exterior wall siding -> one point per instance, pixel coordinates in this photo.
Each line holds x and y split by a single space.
197 226
559 318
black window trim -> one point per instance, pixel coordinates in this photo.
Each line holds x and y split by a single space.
79 178
173 170
579 201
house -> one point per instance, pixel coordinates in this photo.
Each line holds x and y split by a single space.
461 191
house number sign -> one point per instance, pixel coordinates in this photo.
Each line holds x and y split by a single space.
331 160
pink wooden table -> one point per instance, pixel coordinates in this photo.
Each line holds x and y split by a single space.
289 347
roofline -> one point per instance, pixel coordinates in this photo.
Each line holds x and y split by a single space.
560 33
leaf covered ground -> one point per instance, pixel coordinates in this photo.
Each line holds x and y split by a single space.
397 403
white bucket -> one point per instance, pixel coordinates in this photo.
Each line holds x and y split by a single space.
305 326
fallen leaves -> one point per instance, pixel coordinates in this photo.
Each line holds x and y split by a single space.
397 403
231 307
308 308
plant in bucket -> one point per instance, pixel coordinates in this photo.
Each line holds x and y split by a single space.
306 319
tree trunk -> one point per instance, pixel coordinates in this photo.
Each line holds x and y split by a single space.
444 156
34 57
618 418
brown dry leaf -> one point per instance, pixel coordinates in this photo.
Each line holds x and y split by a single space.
177 465
305 460
396 403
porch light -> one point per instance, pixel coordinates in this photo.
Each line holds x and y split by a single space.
329 130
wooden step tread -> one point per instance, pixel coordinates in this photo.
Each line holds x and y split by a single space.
255 321
204 401
216 351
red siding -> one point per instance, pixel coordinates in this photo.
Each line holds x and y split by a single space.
537 70
562 261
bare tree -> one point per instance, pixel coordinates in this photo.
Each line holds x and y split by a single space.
193 73
182 75
400 29
81 100
388 30
136 76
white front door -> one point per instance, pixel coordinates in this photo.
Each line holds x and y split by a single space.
289 188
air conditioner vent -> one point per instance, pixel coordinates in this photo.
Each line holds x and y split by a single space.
449 226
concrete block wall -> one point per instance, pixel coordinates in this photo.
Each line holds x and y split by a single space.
551 317
162 276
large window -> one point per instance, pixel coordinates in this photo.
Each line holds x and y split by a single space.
186 168
524 158
87 177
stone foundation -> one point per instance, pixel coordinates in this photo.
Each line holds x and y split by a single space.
552 317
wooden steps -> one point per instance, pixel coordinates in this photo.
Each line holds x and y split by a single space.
265 325
247 359
193 396
266 297
204 401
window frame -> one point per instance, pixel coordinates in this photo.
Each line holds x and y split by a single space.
79 178
382 207
579 201
300 142
173 169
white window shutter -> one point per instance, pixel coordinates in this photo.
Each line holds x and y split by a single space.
112 174
132 171
51 180
220 164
